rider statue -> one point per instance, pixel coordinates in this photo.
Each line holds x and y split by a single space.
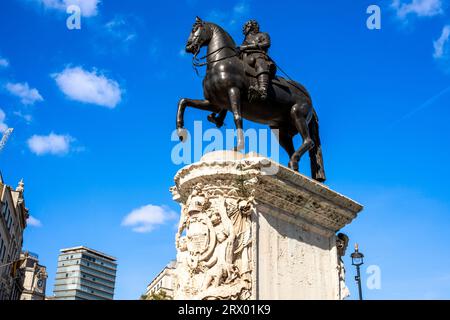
254 49
253 52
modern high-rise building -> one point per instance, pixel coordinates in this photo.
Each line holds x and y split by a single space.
85 274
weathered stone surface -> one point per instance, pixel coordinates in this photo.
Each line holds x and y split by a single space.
253 229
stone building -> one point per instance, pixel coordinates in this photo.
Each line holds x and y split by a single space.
162 282
35 277
13 221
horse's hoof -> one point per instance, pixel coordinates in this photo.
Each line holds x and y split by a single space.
293 165
212 118
182 134
219 125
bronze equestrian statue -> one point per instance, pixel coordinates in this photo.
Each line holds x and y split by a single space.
237 80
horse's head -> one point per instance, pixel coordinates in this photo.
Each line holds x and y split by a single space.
199 36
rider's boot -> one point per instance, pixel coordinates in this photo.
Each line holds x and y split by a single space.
263 84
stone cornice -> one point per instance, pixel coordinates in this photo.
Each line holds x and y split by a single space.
272 184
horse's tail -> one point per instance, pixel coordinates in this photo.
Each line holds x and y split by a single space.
315 153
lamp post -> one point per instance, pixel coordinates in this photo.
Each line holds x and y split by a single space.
357 261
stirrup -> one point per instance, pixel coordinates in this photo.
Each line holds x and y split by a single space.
263 93
253 93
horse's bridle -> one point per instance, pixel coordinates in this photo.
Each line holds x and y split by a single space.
197 63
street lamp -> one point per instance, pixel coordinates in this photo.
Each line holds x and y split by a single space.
357 261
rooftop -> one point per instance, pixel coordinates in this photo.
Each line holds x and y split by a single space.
86 249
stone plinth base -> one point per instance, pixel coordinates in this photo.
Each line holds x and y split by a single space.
253 229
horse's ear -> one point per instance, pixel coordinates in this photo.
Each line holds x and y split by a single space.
198 20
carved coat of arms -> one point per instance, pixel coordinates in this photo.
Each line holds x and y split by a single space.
213 243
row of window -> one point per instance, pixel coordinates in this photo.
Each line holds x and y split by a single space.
96 292
6 212
87 258
100 274
2 249
72 291
88 264
99 268
3 253
86 271
99 261
67 282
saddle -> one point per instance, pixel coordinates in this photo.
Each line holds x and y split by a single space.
249 68
248 60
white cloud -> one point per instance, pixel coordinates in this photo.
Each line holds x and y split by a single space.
3 125
52 144
441 45
24 92
3 63
27 117
241 8
182 52
421 8
121 29
88 87
232 16
89 8
32 221
144 219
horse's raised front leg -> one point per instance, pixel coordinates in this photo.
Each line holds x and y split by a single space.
182 104
218 119
234 96
299 114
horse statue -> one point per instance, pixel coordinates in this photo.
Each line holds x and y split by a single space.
287 109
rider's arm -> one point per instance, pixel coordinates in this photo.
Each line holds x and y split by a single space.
263 44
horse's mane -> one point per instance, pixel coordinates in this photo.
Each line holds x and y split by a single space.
220 31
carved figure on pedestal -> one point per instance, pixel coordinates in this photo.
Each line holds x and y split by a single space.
341 246
215 249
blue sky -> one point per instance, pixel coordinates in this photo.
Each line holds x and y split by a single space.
93 111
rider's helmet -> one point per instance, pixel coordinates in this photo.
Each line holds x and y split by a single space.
251 25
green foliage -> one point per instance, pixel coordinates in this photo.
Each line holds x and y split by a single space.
161 295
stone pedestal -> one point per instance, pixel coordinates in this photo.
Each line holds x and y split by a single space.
253 229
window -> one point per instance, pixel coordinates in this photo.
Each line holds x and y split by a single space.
67 275
2 256
9 223
5 209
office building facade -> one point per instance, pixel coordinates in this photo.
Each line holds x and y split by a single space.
85 274
164 281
